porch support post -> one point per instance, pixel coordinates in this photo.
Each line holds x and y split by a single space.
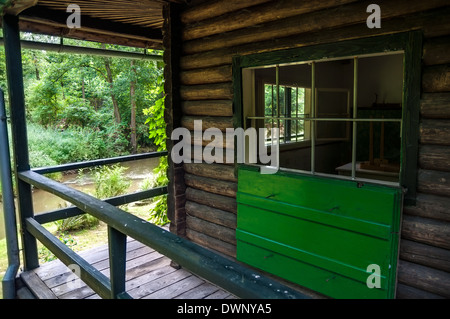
117 261
176 199
19 134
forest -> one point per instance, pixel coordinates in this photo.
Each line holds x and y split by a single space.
83 107
87 107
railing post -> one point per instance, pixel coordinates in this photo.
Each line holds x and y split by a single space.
117 261
19 133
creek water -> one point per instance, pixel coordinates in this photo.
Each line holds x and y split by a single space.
136 172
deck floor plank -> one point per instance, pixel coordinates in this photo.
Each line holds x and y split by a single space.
149 275
176 288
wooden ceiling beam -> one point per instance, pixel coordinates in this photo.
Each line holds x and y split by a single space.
39 14
125 40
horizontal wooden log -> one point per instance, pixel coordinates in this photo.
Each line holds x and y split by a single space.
208 108
222 123
210 199
223 142
425 255
426 231
206 76
212 229
433 23
436 51
212 9
435 105
434 157
436 78
211 242
214 154
312 21
430 206
408 292
425 278
221 91
212 215
215 171
433 182
224 188
259 14
435 132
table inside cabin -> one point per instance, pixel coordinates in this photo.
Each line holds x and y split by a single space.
346 170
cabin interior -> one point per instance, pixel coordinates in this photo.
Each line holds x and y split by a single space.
379 95
359 205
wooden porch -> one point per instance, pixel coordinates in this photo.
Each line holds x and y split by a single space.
149 275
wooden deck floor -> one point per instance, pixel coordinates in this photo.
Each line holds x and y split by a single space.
148 276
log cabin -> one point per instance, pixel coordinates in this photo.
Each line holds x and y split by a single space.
353 98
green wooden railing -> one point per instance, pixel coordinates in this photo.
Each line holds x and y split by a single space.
238 279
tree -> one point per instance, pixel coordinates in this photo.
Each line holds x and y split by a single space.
113 96
133 107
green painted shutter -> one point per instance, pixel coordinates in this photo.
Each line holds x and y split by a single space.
318 232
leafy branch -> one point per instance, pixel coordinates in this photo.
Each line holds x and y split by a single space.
157 132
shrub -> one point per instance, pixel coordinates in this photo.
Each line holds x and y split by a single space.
40 159
110 181
75 144
84 221
76 112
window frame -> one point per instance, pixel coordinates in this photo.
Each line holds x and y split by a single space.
408 42
260 110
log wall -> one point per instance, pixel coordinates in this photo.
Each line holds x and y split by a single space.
212 32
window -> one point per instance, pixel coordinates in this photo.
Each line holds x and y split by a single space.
341 113
291 107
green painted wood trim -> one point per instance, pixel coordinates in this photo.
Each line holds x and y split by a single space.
348 223
14 72
293 270
378 44
326 227
300 256
117 244
411 114
59 214
89 274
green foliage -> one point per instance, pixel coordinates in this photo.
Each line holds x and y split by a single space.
155 120
110 181
76 112
40 159
78 90
44 103
157 132
84 221
73 144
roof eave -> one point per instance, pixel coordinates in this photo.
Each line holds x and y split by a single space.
14 7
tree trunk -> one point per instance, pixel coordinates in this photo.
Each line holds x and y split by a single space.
38 77
83 91
113 97
133 108
62 89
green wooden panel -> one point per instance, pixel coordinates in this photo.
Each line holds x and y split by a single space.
319 232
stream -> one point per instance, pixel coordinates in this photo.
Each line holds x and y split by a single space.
136 171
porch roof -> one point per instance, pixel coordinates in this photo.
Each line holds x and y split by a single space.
122 22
